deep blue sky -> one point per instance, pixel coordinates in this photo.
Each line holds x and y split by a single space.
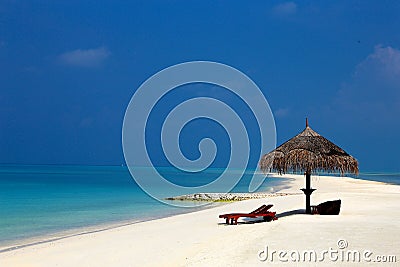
69 68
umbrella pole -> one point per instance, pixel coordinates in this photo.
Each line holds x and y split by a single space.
308 191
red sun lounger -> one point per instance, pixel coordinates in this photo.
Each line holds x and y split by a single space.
259 212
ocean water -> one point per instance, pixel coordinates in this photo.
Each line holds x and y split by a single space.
43 201
390 178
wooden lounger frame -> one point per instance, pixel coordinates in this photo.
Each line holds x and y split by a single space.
259 212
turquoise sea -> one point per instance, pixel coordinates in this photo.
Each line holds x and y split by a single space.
49 201
41 202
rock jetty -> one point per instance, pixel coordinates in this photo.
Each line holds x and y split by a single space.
222 197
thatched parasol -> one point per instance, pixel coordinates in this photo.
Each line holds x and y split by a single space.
306 152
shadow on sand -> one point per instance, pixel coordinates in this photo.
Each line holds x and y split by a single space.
291 212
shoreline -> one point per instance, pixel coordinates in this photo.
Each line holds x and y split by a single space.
58 235
200 237
48 236
63 234
77 231
9 245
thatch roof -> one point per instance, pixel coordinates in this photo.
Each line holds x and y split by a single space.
309 151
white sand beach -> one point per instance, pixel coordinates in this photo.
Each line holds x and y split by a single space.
368 224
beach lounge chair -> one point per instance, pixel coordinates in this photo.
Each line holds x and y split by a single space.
327 208
259 212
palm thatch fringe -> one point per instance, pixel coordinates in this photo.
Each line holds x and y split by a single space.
309 151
